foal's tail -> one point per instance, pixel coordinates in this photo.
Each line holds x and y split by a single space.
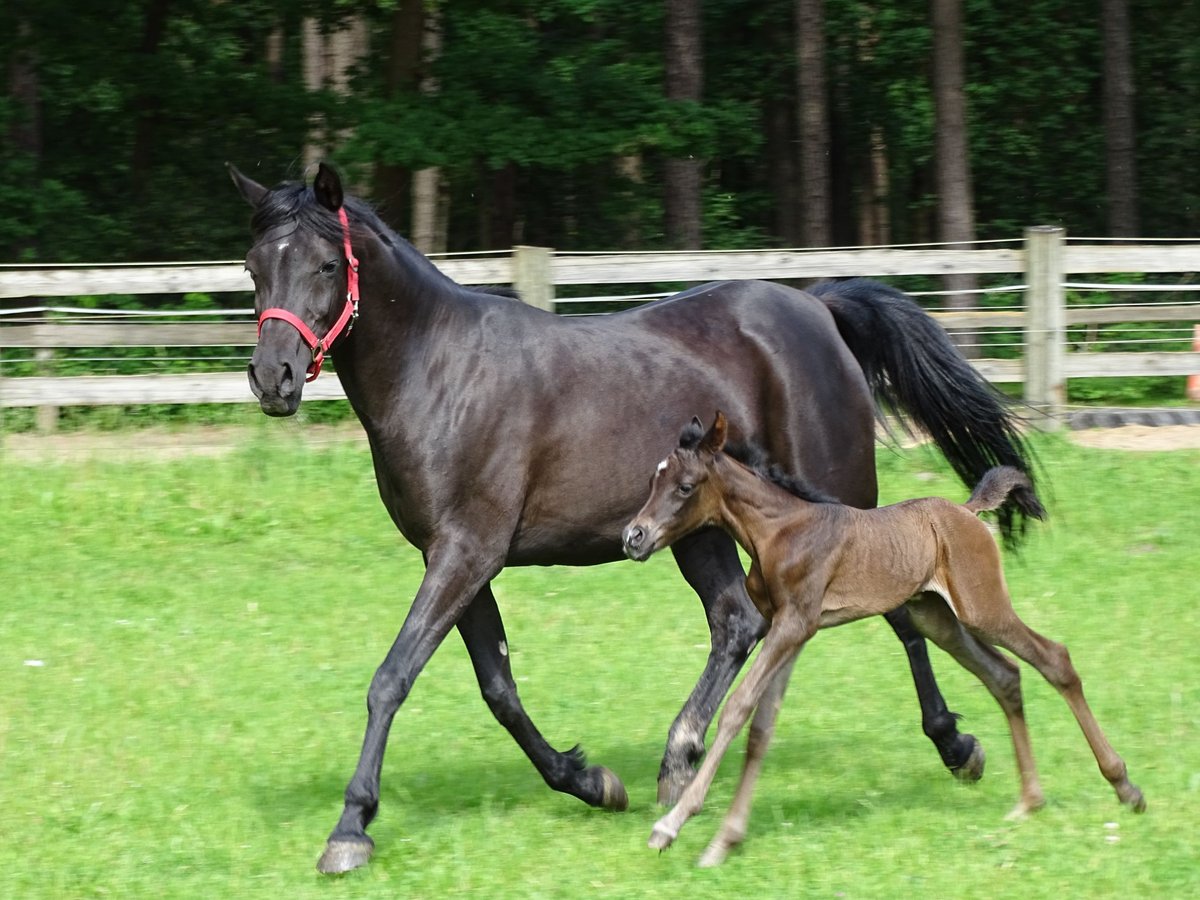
914 369
1000 483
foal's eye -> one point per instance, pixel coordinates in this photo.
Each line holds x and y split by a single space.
328 268
685 488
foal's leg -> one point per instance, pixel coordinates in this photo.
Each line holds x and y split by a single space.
962 754
733 829
483 632
781 645
709 563
1003 627
455 572
999 675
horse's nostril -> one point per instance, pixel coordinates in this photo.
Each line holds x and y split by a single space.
287 381
252 377
634 536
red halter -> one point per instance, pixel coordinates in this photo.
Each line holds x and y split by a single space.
344 322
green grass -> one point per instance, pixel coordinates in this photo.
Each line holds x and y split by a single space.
185 649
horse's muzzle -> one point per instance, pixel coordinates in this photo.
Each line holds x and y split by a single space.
276 387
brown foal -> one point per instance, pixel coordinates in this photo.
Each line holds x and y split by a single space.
817 563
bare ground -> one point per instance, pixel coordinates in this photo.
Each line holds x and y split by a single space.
162 444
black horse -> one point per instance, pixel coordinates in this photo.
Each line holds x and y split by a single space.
505 436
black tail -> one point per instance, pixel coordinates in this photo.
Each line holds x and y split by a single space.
915 370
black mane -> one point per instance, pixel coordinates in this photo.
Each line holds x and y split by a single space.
295 203
755 458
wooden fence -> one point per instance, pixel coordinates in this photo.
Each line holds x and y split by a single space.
1041 263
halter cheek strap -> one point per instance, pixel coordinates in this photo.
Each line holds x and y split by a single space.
345 321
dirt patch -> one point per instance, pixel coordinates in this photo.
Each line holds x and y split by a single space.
163 444
1140 437
166 444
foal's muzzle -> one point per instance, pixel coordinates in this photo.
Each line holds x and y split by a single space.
636 542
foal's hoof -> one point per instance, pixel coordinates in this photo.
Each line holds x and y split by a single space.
972 769
342 855
612 792
661 837
1135 801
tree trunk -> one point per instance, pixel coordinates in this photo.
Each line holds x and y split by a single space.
430 200
147 106
683 176
401 72
874 225
956 217
782 161
1119 124
329 57
813 120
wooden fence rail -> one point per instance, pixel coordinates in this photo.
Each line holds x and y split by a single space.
1042 264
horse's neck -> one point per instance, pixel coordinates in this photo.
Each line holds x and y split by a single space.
752 508
406 306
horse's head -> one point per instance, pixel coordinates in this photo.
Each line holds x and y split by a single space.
680 501
305 283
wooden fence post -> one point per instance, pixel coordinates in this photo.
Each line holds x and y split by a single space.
532 277
1045 321
45 417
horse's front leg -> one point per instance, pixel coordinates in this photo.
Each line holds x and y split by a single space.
455 571
710 564
482 631
961 753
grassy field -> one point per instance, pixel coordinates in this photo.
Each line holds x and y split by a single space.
185 648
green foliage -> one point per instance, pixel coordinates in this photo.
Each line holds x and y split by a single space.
135 127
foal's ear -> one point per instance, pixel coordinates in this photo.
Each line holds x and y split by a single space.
251 190
714 440
328 188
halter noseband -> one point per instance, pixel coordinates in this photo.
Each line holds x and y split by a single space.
345 321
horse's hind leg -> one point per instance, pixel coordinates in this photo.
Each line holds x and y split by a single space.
483 632
962 754
709 563
762 727
999 675
1003 627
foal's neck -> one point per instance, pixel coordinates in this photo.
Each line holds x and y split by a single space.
751 507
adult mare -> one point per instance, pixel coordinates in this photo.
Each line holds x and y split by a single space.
503 435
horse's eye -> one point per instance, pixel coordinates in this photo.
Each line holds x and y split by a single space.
328 268
685 488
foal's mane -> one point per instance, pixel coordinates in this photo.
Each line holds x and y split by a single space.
755 458
294 202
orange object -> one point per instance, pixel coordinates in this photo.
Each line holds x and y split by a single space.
1193 383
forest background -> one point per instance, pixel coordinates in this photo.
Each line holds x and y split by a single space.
599 124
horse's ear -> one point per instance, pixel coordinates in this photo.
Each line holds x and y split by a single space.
328 188
250 189
714 440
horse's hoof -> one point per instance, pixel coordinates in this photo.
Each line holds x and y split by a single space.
344 855
661 837
972 769
713 856
1024 808
613 794
1136 801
